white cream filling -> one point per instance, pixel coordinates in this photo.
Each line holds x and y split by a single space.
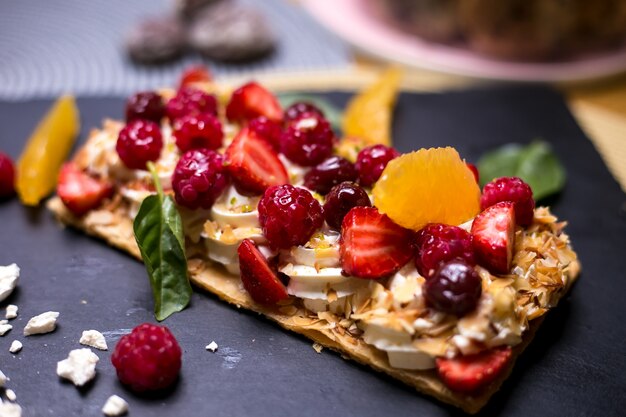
397 344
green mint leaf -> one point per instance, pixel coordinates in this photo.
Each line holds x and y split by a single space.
333 114
159 235
535 163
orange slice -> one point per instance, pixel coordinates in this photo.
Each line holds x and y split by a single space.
428 186
368 114
46 150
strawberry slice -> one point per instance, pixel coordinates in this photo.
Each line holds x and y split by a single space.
252 100
79 192
195 74
372 245
257 277
471 373
493 233
253 164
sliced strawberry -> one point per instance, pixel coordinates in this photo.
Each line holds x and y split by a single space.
257 277
473 372
372 245
80 192
252 100
253 164
195 74
493 233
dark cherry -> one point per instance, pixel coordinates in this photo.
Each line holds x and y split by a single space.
147 105
341 199
299 108
329 173
454 289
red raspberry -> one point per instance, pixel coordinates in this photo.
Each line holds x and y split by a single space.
190 100
146 105
138 143
308 140
268 130
299 108
510 189
7 176
196 131
199 178
329 173
371 162
289 215
438 243
147 359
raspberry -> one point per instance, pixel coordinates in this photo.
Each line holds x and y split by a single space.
7 176
437 243
198 131
299 108
189 100
510 189
371 162
138 143
454 289
340 200
267 129
329 173
289 215
146 105
147 359
199 178
308 140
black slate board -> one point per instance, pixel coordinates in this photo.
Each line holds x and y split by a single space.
576 365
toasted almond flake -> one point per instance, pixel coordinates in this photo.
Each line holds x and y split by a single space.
288 310
317 347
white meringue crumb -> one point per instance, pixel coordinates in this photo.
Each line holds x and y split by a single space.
11 312
10 395
43 323
94 339
212 346
16 346
9 275
115 406
79 367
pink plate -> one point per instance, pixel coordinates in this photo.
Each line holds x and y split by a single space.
350 20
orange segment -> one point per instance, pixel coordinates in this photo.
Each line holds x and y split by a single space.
368 114
428 186
46 150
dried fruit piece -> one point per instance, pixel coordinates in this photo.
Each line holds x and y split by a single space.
428 186
373 246
257 277
46 150
368 115
471 373
253 164
493 236
79 192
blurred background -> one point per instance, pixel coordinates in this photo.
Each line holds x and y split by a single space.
98 48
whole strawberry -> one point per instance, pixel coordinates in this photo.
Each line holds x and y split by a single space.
147 359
